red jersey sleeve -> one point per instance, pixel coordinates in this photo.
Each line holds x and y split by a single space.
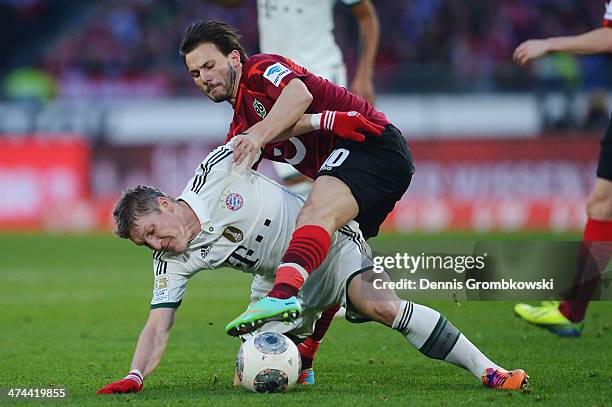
231 132
269 74
607 19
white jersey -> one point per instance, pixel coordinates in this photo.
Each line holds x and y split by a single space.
246 223
302 30
607 19
238 231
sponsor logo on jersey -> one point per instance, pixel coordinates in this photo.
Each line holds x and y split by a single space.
233 234
234 201
276 72
259 108
161 295
161 282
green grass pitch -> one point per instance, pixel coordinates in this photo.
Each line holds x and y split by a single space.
71 308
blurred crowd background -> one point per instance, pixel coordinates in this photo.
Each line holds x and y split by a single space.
426 45
105 71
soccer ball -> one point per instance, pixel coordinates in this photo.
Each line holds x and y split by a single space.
268 363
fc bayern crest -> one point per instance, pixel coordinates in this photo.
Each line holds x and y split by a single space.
234 201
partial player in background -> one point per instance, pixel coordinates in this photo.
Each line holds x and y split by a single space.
303 30
566 318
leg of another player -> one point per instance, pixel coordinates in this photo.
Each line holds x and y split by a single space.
597 249
310 346
567 318
428 331
330 205
599 203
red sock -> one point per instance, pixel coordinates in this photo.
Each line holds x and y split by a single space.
309 347
594 255
307 250
322 325
307 350
598 230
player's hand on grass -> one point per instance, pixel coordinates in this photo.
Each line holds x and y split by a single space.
132 383
349 125
530 50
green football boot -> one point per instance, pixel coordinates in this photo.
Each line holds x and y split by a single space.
548 316
263 311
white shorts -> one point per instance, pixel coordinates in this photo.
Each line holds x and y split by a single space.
326 286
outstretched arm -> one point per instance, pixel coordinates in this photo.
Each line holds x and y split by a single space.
153 339
597 41
149 351
348 125
363 83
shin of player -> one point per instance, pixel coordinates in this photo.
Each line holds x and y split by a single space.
310 346
595 253
330 205
429 331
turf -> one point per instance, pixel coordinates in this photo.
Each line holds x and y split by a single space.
73 306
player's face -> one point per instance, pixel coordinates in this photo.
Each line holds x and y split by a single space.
213 73
162 229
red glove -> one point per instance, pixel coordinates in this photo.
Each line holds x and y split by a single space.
132 383
349 125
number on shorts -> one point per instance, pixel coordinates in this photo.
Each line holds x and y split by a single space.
336 158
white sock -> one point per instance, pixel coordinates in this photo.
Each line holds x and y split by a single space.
434 336
464 354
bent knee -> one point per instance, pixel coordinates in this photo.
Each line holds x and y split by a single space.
383 311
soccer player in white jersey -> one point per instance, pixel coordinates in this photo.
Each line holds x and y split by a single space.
241 219
303 30
566 318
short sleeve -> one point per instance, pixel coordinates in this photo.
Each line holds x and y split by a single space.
170 281
208 183
269 74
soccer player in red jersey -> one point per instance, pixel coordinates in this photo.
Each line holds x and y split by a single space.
566 318
360 162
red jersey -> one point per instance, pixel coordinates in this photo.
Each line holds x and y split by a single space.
607 19
263 78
